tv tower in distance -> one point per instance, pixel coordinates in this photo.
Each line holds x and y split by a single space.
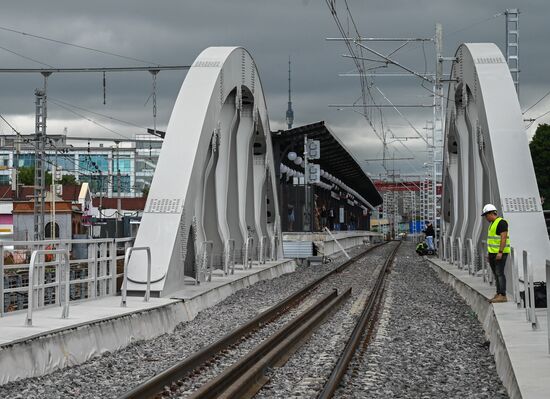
289 111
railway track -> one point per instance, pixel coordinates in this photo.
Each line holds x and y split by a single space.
361 333
246 376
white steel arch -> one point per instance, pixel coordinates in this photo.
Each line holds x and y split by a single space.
487 159
215 177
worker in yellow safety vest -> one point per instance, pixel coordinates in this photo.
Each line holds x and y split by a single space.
498 248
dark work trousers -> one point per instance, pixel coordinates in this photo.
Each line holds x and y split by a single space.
497 266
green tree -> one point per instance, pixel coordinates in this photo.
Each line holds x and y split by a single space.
26 176
540 152
68 180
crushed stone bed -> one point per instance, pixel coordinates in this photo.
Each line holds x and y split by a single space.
429 343
116 372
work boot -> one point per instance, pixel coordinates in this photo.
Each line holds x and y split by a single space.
494 297
499 299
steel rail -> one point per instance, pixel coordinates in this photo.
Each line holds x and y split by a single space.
238 380
354 340
151 387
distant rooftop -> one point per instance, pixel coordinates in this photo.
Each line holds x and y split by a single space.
336 159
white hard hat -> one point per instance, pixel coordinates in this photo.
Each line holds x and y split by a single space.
488 208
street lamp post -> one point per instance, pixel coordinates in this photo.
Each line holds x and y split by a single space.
307 200
292 156
312 174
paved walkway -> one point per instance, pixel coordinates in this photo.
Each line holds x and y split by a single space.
48 320
101 325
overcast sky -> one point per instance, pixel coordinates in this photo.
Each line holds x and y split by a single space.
174 32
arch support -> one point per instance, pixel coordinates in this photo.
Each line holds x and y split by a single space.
487 158
210 180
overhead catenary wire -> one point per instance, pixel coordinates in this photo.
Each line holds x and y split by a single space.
353 55
89 119
4 28
537 102
45 159
357 59
154 71
28 141
25 57
365 88
474 24
532 121
96 113
61 152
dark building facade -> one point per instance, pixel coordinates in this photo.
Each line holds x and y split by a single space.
342 200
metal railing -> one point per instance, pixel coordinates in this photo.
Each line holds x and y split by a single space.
448 249
127 256
452 251
528 283
487 271
470 258
41 285
263 249
247 258
274 247
460 253
515 277
205 264
466 255
229 257
93 273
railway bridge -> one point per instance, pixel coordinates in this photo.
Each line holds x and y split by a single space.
187 316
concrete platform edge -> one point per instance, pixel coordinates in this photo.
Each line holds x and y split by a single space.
485 314
72 346
47 352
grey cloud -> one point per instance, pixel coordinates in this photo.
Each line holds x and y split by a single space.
175 32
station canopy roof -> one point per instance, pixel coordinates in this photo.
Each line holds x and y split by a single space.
335 157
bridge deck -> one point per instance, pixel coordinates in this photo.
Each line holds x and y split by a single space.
97 326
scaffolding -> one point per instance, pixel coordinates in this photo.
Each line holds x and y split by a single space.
512 44
39 167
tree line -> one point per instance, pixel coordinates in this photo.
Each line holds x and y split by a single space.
540 153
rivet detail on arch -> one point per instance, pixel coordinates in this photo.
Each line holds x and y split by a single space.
489 60
239 99
221 87
216 137
206 64
243 67
480 138
183 238
164 205
253 77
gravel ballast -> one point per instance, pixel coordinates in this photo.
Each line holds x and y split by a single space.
115 372
305 372
357 276
429 343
